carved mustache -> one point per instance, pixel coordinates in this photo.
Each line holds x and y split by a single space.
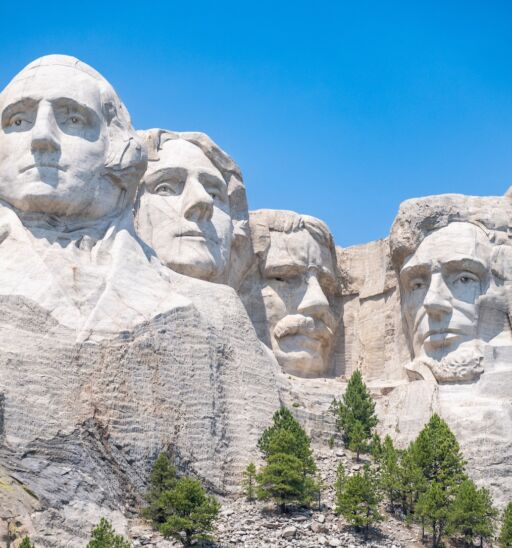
298 324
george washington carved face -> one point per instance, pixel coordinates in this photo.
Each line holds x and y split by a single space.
56 140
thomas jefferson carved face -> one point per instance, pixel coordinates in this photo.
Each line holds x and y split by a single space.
184 212
53 144
441 286
299 279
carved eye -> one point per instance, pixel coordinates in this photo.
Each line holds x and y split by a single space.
416 285
18 122
164 189
75 120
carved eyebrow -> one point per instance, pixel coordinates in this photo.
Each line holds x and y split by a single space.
419 269
283 270
67 102
212 179
467 263
165 174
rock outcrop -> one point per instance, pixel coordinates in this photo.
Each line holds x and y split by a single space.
143 309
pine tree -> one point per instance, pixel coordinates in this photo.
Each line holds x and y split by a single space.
410 481
434 507
286 435
438 454
355 414
282 480
104 536
286 448
190 512
472 514
505 539
162 478
358 442
357 500
389 477
249 483
25 543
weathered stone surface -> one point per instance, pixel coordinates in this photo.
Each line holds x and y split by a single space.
115 345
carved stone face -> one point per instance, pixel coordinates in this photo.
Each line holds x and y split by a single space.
299 278
184 212
53 144
441 285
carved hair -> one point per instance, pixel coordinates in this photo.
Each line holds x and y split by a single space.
419 217
126 156
264 221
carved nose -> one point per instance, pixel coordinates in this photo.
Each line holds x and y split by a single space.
314 302
437 300
197 203
45 132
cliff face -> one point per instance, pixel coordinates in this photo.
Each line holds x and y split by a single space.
83 422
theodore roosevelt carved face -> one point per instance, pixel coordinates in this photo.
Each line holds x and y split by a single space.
61 123
297 266
441 286
184 209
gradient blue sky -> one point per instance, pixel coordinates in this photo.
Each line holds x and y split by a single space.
336 109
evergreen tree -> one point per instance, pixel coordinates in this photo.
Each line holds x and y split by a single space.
358 442
410 481
282 480
437 453
389 476
341 478
434 507
505 539
249 483
287 449
161 479
104 536
355 414
190 512
472 514
286 435
358 499
25 543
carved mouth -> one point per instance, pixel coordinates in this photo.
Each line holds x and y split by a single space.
43 165
190 234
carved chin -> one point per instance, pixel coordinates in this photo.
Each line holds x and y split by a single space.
300 359
464 365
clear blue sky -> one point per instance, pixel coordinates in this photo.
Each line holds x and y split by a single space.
336 109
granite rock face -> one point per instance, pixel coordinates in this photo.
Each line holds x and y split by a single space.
143 309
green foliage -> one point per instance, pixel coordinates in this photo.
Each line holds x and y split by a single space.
437 453
505 539
288 476
190 511
250 481
472 514
25 543
357 499
282 480
434 506
286 435
355 414
162 478
341 477
389 477
410 482
104 536
358 441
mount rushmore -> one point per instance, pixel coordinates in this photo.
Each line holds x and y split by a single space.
144 308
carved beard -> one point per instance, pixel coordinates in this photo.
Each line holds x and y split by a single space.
462 365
